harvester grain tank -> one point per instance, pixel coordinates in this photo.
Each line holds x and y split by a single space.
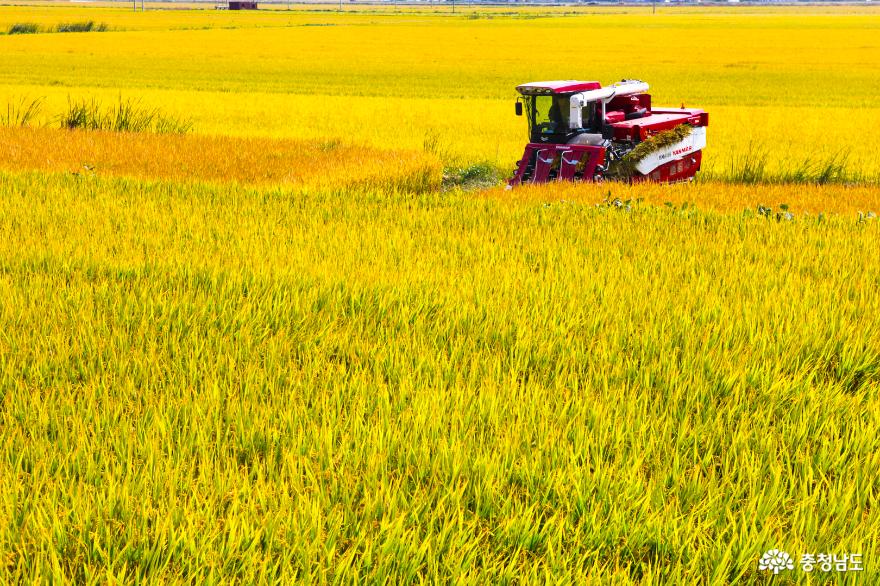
582 131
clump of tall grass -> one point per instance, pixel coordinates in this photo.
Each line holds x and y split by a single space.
21 113
832 169
474 176
751 167
126 116
83 114
23 28
87 26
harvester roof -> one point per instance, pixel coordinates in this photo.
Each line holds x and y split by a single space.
566 86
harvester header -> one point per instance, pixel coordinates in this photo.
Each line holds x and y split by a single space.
582 131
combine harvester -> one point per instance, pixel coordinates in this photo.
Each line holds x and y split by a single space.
581 131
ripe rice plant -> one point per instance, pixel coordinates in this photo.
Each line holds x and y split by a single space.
807 201
332 165
207 383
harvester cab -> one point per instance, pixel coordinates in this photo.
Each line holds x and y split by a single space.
581 131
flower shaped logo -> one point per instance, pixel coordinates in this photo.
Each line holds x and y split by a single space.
775 560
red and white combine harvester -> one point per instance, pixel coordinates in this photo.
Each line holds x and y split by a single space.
581 131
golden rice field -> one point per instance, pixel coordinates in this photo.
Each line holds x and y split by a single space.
314 341
785 86
327 164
